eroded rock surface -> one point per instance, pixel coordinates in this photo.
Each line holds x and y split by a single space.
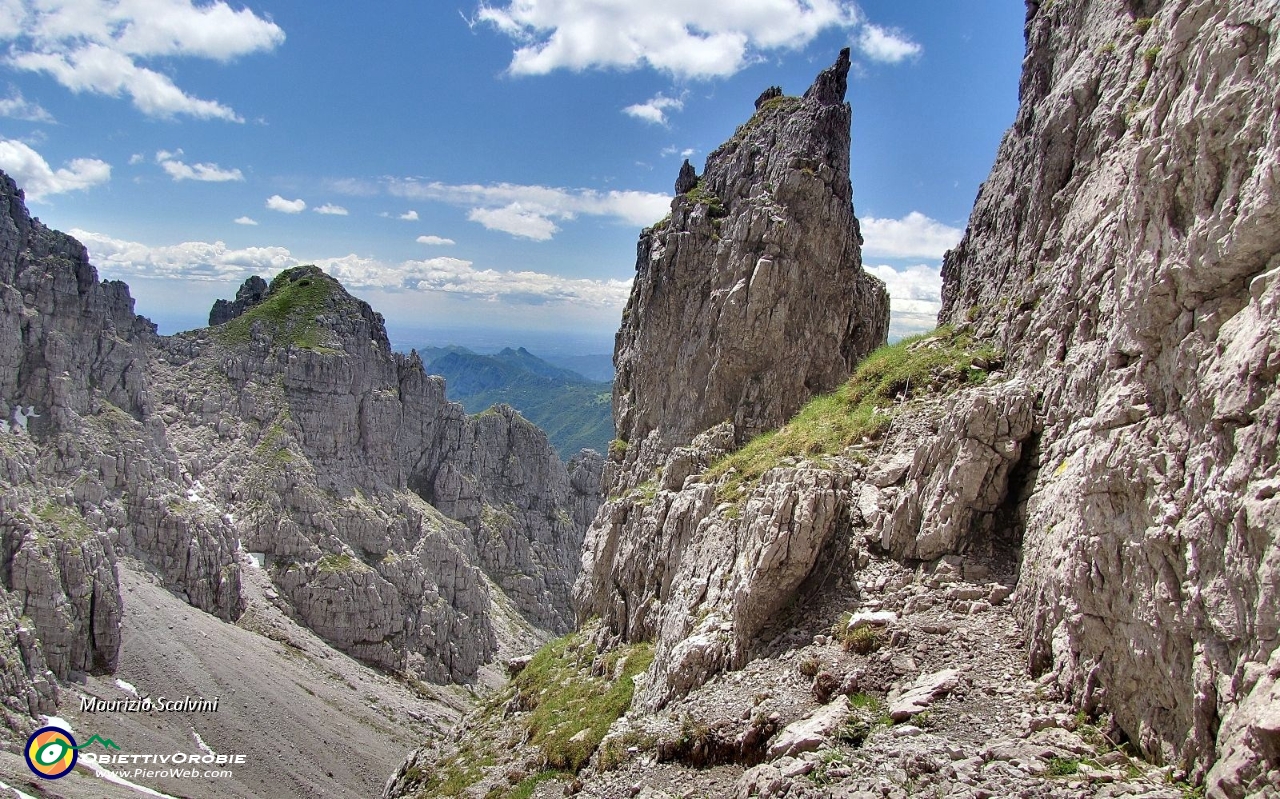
751 297
749 300
1125 251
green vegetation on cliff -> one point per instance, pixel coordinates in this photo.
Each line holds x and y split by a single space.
561 705
295 300
864 406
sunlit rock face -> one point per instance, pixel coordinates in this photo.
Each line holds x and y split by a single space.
1125 252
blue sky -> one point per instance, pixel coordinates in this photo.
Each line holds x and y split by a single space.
475 171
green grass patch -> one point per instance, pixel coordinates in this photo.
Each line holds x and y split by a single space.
1143 24
294 300
701 196
562 703
68 521
868 715
782 105
1064 766
572 709
861 408
331 563
525 788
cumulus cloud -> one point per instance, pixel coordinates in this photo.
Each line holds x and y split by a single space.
246 220
39 180
532 212
885 45
15 106
190 260
913 236
194 260
435 241
655 109
671 150
97 46
409 216
208 173
686 38
915 297
328 208
516 220
277 203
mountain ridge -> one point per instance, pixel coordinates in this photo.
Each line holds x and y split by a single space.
572 410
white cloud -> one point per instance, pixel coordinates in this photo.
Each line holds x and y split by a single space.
39 180
915 297
208 173
328 208
886 45
409 216
655 109
96 46
246 220
435 241
18 107
137 158
194 260
913 236
687 38
277 203
533 211
516 220
190 260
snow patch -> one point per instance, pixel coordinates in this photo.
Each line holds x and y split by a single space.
126 687
204 747
16 792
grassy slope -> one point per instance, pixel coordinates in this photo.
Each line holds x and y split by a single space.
864 406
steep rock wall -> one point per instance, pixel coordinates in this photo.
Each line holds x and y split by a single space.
291 431
1125 252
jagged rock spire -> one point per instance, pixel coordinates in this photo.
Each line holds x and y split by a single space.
832 82
687 179
751 298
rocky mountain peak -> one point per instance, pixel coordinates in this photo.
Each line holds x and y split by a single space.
832 82
750 298
302 307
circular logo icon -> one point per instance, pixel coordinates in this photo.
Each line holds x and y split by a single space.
51 752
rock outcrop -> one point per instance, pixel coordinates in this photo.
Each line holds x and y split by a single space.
751 297
252 293
749 300
1125 252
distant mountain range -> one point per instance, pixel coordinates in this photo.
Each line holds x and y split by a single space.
572 409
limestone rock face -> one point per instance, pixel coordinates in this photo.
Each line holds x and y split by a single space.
82 472
751 297
1125 252
747 302
28 687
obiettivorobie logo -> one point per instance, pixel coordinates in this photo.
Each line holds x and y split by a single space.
52 751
